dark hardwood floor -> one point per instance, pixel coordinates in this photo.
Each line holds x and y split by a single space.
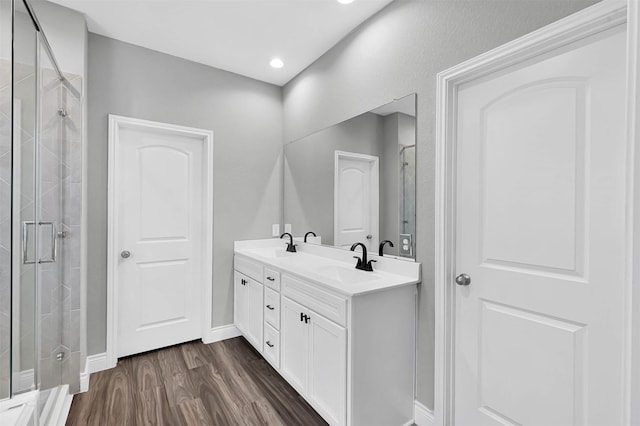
224 383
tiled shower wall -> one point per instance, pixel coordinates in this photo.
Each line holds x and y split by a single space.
71 96
61 182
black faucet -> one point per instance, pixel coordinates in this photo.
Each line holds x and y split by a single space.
362 264
382 247
290 246
307 234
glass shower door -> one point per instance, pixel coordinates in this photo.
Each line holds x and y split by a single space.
5 196
25 218
38 175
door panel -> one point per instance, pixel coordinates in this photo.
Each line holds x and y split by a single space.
240 303
161 225
540 230
534 176
327 368
295 345
255 312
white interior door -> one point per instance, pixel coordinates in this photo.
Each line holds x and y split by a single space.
540 231
160 217
356 199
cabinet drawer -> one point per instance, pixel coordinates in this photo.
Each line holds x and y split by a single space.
272 278
249 267
272 346
272 308
329 305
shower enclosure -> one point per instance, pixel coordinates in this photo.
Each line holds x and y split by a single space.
408 197
40 205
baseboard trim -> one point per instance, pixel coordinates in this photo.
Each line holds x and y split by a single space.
217 334
24 380
84 378
96 362
422 415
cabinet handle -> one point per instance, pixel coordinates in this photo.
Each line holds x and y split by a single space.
301 317
269 344
271 278
307 318
269 307
243 281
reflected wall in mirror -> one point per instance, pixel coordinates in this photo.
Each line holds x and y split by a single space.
355 181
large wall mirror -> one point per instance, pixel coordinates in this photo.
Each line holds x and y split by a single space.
355 181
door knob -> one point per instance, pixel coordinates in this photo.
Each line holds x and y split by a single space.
369 237
125 254
463 279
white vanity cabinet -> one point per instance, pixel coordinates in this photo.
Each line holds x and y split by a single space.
314 359
347 347
248 296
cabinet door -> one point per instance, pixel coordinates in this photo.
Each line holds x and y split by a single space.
240 302
254 313
294 345
328 369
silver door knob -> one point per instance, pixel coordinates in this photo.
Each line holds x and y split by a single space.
125 254
369 237
463 279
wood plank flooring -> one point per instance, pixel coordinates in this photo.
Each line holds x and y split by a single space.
224 383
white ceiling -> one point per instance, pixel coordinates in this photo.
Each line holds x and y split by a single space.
240 36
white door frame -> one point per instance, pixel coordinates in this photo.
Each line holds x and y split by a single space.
116 123
590 21
375 192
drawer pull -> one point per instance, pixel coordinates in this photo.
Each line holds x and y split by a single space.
271 278
269 307
269 344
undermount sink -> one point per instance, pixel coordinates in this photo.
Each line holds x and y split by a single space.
271 252
345 275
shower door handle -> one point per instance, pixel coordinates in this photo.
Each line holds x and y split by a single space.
54 243
25 242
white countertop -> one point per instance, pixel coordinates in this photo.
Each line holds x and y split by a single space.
332 267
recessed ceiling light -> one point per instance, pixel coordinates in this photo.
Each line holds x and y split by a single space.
345 1
276 63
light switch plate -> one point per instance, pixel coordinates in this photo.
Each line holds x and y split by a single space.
287 227
275 230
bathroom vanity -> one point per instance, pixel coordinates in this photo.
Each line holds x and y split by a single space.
343 338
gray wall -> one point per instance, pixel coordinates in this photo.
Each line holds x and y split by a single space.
397 52
246 118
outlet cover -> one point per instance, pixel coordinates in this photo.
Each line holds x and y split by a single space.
287 227
406 245
275 230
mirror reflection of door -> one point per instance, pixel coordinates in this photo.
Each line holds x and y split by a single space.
356 199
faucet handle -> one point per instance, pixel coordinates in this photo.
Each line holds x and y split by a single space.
359 261
369 266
